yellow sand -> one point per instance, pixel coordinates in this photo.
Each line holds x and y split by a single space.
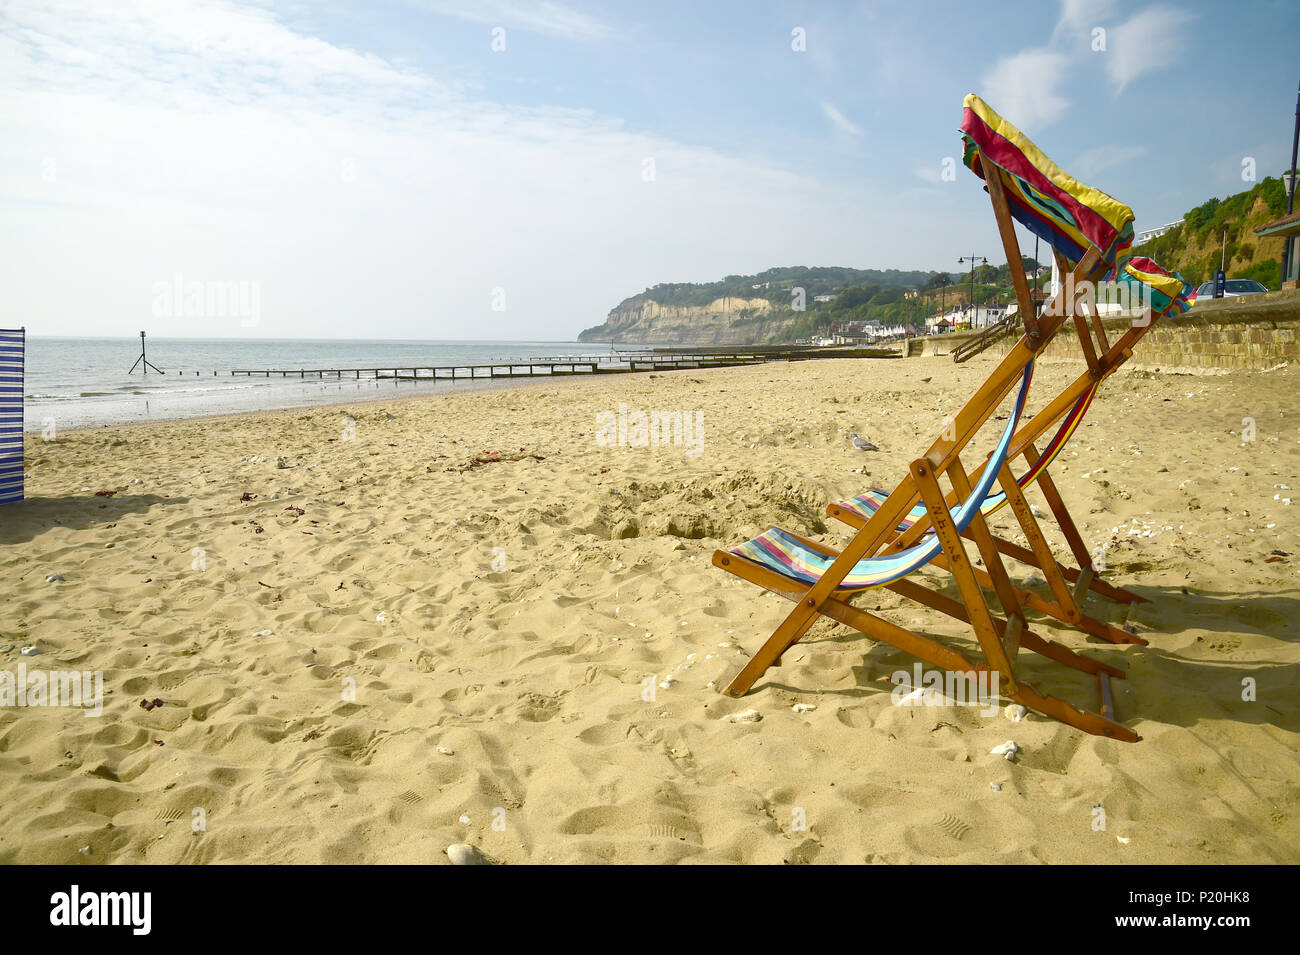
531 676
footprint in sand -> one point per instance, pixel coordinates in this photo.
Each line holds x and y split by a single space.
940 839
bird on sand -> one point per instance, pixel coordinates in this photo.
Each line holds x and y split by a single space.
862 444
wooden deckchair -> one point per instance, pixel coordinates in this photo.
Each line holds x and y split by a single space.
1070 586
1091 232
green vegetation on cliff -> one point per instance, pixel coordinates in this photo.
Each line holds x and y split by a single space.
776 285
1194 248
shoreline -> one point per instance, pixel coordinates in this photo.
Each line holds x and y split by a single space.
489 385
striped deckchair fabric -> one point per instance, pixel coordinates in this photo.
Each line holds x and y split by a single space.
1168 291
12 347
1046 200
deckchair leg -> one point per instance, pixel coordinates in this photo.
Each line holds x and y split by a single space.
1096 585
935 600
1031 600
1063 519
996 573
938 655
1064 607
1020 553
1073 538
1038 544
960 568
757 666
875 627
768 654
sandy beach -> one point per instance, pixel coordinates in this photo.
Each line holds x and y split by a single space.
399 640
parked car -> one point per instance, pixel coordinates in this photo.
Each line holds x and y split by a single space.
1231 289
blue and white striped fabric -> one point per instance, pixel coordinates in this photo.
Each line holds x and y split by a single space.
12 342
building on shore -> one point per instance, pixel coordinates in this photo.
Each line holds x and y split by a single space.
1146 235
864 332
961 318
1287 229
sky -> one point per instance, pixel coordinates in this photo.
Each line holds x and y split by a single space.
502 169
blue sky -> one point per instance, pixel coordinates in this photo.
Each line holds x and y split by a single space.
378 169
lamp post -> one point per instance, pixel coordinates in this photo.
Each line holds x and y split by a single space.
972 259
1287 241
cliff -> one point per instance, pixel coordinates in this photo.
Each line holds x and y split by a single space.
728 320
748 309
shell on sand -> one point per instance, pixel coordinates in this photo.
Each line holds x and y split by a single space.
745 716
1007 749
462 853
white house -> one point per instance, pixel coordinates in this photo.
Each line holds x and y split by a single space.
964 317
1146 235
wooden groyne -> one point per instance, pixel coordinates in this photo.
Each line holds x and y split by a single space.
612 363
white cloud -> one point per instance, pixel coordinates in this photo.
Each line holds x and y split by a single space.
366 199
1100 158
840 121
1146 42
1080 17
1023 88
550 19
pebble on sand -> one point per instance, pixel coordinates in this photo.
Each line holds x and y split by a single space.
1007 750
463 854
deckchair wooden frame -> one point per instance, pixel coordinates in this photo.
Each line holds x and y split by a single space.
1000 640
1069 586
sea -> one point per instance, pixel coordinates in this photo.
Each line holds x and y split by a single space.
87 382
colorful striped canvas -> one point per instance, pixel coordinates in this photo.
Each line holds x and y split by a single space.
1046 200
1168 291
12 348
791 558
